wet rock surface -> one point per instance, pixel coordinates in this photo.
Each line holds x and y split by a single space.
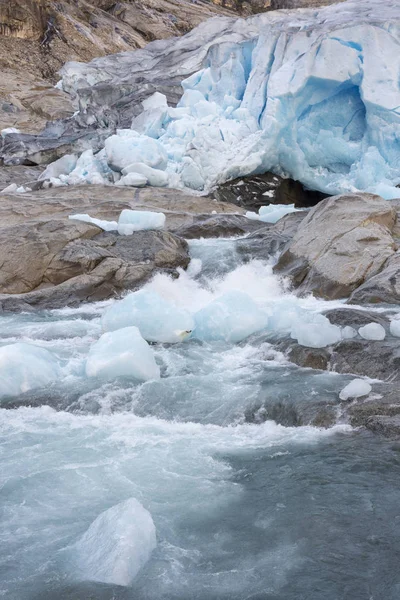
269 240
383 287
223 225
343 242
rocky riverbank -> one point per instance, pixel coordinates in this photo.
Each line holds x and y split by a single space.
340 248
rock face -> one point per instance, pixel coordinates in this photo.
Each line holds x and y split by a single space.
258 190
383 287
48 261
38 36
343 242
93 269
270 239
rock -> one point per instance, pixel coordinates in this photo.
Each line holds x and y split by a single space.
107 202
222 225
312 358
63 263
343 242
385 404
269 240
255 191
387 426
27 252
351 317
380 360
383 287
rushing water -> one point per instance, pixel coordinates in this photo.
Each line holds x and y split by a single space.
243 507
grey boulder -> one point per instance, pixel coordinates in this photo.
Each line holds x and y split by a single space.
343 242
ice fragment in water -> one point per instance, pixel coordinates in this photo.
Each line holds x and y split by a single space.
230 318
373 332
318 333
348 332
156 319
122 353
116 546
24 367
355 389
395 327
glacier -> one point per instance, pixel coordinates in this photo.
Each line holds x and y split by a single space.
311 94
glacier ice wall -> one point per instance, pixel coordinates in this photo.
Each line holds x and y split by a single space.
310 94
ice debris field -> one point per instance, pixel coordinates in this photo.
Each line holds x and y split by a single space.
313 94
226 309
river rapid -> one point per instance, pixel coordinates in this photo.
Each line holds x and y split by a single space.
243 507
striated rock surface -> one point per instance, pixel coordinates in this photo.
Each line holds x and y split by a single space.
343 242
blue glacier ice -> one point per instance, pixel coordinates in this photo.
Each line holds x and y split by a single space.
24 367
231 318
116 546
138 220
122 353
313 94
157 319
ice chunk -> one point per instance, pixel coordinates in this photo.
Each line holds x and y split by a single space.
116 546
122 151
271 213
154 177
62 166
132 179
318 333
10 189
157 100
355 389
9 130
138 220
88 169
230 318
24 367
372 331
156 319
349 333
122 353
395 327
105 225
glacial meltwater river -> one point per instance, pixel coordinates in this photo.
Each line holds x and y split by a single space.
243 508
